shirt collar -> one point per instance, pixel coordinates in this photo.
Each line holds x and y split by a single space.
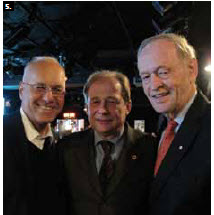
30 130
180 116
98 138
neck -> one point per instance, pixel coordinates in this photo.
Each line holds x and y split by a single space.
41 128
109 135
178 110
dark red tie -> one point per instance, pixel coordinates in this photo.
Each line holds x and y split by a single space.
107 167
165 143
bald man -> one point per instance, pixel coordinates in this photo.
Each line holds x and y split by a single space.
31 179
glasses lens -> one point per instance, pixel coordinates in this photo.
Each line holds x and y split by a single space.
57 90
40 88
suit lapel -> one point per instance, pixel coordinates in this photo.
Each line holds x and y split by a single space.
180 145
127 159
85 156
120 170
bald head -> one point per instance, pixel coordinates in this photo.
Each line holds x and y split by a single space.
40 62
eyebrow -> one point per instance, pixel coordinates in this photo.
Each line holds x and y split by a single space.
57 85
93 98
154 70
108 97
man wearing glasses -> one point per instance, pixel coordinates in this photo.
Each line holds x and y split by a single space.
31 179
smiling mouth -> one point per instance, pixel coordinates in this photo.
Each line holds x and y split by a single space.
104 120
159 95
46 108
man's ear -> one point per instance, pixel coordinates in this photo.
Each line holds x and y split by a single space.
128 107
86 108
193 68
20 90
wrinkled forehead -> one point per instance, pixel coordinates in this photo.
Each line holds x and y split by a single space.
159 46
104 80
105 85
157 53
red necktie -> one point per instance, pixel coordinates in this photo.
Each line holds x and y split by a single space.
165 144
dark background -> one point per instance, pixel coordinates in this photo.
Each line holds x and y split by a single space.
88 36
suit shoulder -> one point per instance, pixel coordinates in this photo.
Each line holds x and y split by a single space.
144 137
144 142
141 134
12 124
206 119
75 138
12 119
77 135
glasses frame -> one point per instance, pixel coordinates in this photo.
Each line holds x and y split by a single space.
46 89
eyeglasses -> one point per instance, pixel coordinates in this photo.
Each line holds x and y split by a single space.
42 89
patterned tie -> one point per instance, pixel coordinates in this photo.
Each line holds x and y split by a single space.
107 167
165 144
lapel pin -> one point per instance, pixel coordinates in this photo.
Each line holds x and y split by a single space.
134 157
180 147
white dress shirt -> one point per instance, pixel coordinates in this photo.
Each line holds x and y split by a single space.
32 134
180 116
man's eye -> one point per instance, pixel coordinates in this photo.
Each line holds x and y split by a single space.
111 101
38 87
95 102
163 73
57 89
145 77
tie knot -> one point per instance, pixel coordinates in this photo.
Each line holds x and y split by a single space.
107 146
171 125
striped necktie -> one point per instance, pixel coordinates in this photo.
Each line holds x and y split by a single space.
107 167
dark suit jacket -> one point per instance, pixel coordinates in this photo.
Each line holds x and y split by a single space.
128 191
19 179
183 183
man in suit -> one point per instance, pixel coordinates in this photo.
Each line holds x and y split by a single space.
182 177
30 167
114 182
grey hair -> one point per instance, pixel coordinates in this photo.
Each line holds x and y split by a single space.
41 59
184 49
123 80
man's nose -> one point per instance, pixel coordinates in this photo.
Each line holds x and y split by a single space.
103 107
48 95
156 81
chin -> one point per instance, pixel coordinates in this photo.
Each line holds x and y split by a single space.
46 120
161 109
103 130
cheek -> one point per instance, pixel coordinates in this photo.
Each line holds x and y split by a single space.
170 85
30 100
61 103
120 113
178 86
145 89
90 112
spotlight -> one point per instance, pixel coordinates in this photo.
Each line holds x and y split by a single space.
207 68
